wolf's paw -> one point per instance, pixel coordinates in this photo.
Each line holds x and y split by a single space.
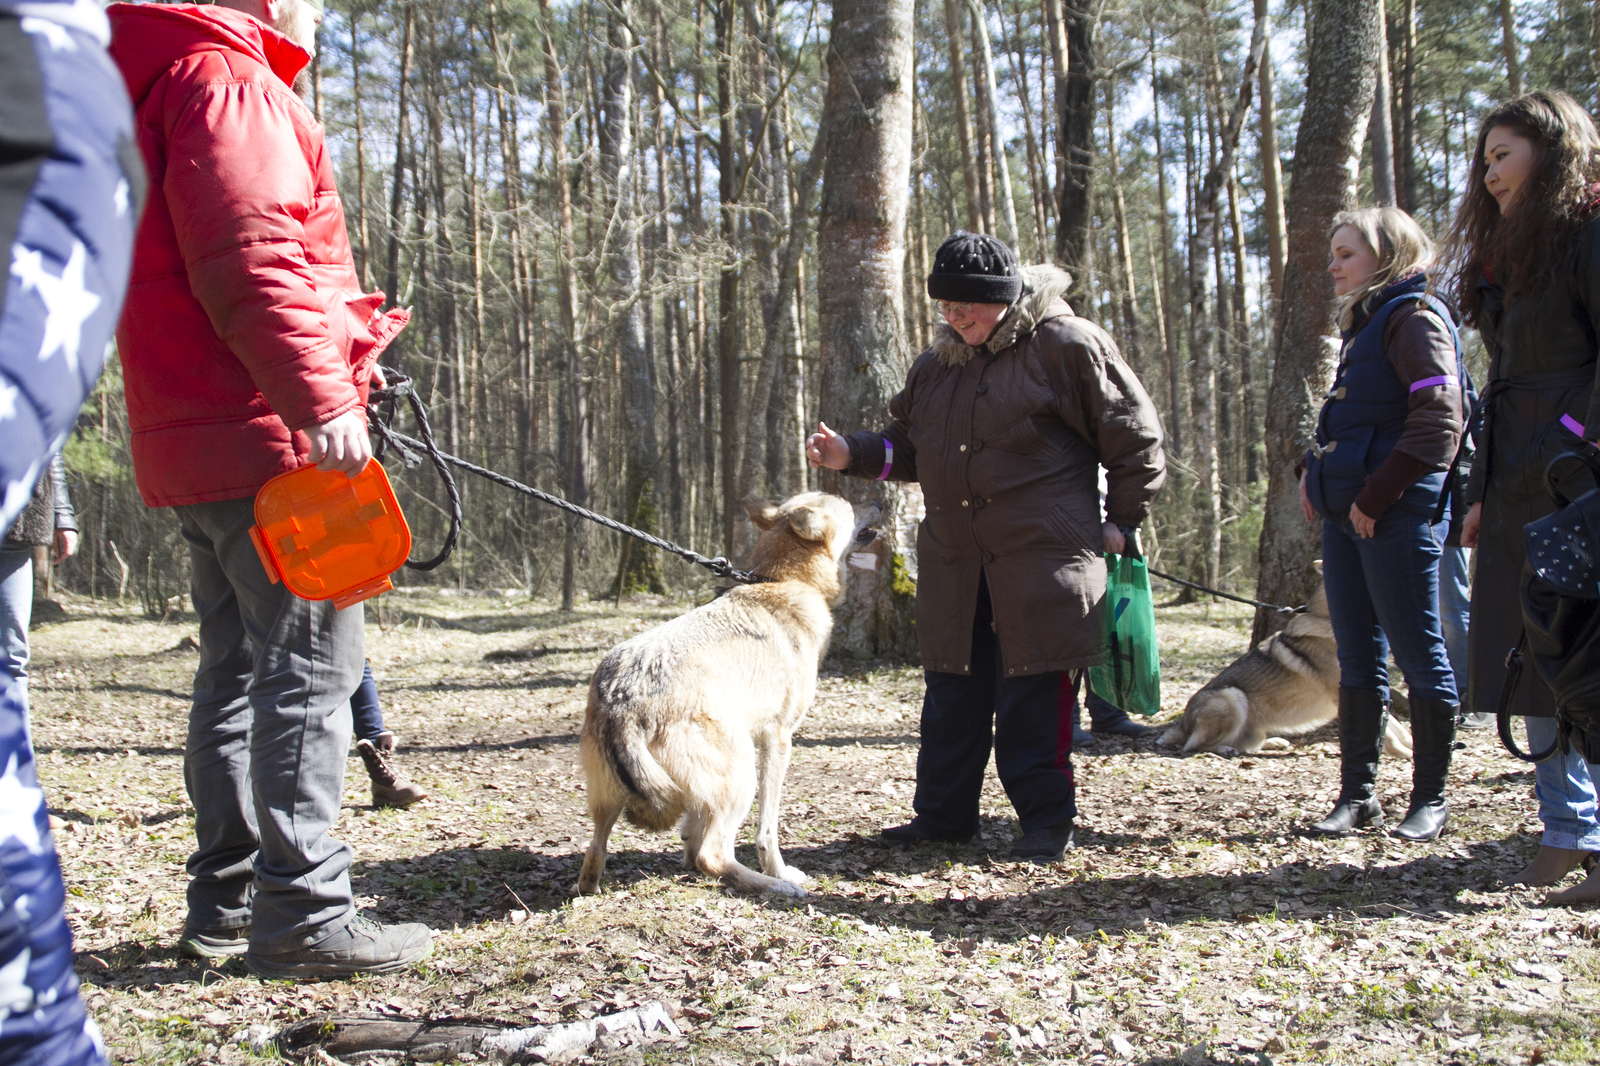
787 888
1275 744
1172 738
1225 751
793 876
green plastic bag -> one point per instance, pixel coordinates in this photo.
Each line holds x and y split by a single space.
1131 676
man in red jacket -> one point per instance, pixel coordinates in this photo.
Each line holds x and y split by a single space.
247 350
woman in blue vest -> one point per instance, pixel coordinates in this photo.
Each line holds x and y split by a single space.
1386 435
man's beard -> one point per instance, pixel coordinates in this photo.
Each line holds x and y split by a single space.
295 23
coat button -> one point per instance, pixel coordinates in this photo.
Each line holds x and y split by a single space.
977 445
983 387
963 447
988 557
966 503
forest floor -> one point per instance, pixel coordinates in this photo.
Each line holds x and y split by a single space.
1195 923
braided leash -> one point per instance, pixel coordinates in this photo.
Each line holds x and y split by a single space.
407 446
1225 595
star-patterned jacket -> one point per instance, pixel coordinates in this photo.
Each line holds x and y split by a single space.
245 322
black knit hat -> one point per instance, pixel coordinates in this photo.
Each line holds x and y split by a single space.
975 268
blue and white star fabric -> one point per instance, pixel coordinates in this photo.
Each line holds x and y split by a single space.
42 1019
70 247
70 186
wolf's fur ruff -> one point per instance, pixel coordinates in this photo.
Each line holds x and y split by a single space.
688 721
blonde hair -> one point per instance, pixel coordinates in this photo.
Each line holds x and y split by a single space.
1401 246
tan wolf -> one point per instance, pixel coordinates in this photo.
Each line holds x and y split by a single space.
1286 685
687 721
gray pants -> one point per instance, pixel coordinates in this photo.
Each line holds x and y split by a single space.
268 734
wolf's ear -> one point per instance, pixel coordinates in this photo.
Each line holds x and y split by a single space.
762 512
808 523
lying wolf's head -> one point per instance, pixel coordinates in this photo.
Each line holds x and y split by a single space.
807 534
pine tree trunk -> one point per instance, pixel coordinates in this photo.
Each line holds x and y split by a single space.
958 75
997 147
1508 44
1076 180
1340 79
1381 129
1271 165
1407 193
861 253
639 569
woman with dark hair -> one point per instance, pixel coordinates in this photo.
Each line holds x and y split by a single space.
1526 253
1006 421
1385 437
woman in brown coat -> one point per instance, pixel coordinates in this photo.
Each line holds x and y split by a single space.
1006 421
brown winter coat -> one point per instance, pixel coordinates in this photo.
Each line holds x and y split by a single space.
1007 441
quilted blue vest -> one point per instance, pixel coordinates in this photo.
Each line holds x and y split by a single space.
1365 412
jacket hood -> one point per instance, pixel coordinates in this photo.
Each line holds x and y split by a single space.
147 39
1043 286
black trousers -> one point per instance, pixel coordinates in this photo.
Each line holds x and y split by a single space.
1027 721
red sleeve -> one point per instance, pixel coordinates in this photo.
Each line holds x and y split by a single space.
240 189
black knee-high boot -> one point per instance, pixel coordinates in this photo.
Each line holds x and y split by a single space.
1362 718
1433 739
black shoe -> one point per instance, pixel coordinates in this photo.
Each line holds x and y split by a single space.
912 833
1433 739
1047 845
1350 814
1362 719
1107 719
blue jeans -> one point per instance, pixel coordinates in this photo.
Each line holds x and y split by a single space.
366 714
1455 599
1564 784
1387 585
16 611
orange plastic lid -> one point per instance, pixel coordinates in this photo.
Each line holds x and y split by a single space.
330 537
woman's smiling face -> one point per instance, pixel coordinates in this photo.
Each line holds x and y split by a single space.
1509 159
975 322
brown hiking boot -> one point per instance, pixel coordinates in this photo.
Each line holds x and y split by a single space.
389 787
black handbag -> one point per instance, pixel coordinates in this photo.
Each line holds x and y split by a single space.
1561 615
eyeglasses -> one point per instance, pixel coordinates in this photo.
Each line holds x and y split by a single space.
947 309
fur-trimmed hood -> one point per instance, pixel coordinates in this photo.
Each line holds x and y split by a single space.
1042 285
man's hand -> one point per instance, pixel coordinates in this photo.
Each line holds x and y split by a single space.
1305 501
1111 536
1470 526
342 444
827 448
66 546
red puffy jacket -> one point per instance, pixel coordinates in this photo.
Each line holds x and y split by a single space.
245 321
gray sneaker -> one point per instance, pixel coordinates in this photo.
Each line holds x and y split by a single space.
362 946
1481 720
215 943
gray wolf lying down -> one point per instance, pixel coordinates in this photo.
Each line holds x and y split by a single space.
1286 685
687 722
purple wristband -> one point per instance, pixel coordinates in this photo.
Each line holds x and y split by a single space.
888 458
1428 383
1573 424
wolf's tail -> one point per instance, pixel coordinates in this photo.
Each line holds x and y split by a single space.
616 750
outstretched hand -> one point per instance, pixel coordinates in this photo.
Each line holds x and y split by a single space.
827 448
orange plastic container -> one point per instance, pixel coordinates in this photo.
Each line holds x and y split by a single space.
330 537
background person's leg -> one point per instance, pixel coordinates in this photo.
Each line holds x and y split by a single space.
16 612
1569 807
366 713
1455 603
